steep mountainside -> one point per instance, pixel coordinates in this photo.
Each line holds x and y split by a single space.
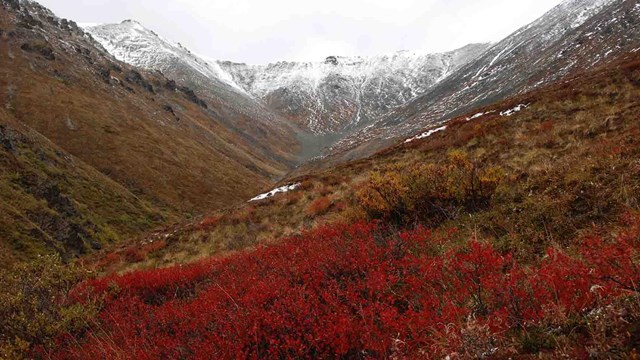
574 36
345 93
323 100
132 43
356 106
94 150
51 200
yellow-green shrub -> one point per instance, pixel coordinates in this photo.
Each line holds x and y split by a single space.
429 193
35 308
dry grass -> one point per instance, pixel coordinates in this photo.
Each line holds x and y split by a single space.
139 165
570 164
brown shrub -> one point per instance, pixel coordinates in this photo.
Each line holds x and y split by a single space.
154 246
333 180
209 223
325 190
134 255
247 214
319 207
547 125
292 198
306 185
108 260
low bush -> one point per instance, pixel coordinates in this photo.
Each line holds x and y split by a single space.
350 291
209 223
318 207
35 306
429 193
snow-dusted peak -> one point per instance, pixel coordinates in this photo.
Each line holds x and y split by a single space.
341 93
409 67
574 36
131 42
330 95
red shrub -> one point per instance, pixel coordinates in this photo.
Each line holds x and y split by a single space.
154 246
547 126
108 260
344 292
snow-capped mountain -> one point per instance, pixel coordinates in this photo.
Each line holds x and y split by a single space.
574 36
132 43
322 97
358 105
342 93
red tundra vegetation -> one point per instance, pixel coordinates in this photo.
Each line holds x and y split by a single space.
365 291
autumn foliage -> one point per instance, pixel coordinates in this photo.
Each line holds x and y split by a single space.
319 207
429 193
355 291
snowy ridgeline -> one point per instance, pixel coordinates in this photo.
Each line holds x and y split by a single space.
272 193
134 44
507 113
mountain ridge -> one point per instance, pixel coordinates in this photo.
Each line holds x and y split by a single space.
370 85
93 150
321 100
547 50
136 45
349 107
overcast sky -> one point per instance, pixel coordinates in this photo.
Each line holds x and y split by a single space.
262 31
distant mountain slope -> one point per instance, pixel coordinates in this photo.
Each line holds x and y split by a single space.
576 35
323 100
51 200
94 150
345 93
132 43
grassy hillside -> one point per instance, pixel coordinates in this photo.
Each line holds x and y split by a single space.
51 200
564 165
151 152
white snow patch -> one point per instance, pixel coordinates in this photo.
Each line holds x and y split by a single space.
475 116
272 193
514 110
480 114
426 134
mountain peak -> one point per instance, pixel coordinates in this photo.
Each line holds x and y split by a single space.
134 24
331 60
131 21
